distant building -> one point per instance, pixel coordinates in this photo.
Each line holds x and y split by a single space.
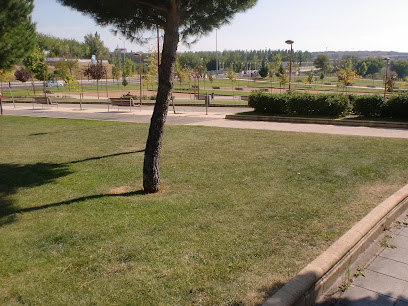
121 50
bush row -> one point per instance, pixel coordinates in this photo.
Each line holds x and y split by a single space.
377 106
330 104
300 103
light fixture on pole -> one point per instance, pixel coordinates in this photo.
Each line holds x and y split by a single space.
140 77
290 42
45 92
386 75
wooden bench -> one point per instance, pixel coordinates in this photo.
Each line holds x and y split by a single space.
199 97
216 87
239 88
43 100
244 98
122 101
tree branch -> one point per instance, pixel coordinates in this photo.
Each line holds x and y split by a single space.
150 5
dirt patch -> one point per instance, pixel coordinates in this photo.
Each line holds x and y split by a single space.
121 190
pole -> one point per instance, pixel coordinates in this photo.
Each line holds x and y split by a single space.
45 92
290 42
80 95
386 76
140 80
107 95
216 51
290 67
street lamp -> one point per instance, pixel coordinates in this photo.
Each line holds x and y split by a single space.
45 92
290 42
140 77
386 74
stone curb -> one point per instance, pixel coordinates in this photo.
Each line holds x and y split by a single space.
144 103
381 124
321 273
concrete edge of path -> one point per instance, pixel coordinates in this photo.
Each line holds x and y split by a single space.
365 123
319 275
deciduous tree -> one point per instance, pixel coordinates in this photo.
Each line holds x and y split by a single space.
323 63
96 72
179 19
22 75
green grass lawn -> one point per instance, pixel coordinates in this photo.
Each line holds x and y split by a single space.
240 211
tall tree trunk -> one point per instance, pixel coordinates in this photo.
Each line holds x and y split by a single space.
151 174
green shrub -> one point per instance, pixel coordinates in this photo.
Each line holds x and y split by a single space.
300 103
397 106
369 105
268 103
318 104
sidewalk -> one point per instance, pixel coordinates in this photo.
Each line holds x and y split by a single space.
385 275
189 115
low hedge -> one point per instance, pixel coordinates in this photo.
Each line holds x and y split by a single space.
369 105
300 103
397 106
329 104
268 103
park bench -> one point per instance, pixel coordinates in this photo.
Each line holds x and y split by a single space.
244 98
122 101
239 88
216 87
199 96
43 100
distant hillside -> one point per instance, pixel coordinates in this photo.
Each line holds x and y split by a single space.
363 54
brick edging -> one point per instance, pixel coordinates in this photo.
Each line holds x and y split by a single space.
367 123
321 273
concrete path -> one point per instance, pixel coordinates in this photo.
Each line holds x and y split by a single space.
187 115
385 280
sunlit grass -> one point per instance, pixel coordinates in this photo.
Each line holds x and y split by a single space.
240 212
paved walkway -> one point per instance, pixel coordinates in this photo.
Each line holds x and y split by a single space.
385 280
187 115
386 275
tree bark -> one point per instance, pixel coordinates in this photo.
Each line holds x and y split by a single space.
151 174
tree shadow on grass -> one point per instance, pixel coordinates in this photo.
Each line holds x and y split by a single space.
104 156
15 176
78 200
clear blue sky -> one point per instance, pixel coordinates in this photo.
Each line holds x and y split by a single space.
314 25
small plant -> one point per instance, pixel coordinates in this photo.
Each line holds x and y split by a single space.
359 272
385 242
399 224
345 284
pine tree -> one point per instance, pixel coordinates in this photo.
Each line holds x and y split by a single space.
17 32
179 19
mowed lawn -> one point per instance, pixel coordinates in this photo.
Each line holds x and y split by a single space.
239 214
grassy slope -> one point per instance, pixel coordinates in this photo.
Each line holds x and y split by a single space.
240 212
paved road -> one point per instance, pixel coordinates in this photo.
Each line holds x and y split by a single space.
187 115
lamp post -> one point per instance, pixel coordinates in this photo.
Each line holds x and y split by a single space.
45 92
386 75
140 77
290 42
